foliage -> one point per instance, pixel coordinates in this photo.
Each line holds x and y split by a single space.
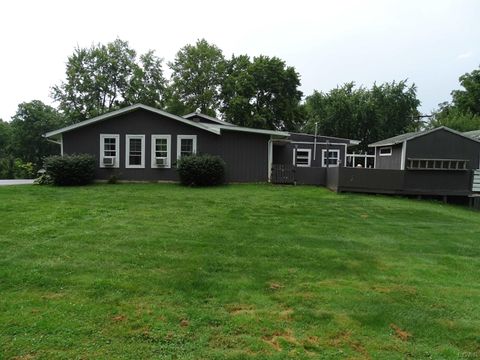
30 122
262 93
463 112
237 272
11 168
103 78
5 138
364 114
44 179
201 170
197 74
71 169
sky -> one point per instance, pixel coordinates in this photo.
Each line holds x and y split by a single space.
430 43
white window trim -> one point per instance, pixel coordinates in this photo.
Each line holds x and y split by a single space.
127 151
102 147
324 157
179 141
169 153
385 147
309 151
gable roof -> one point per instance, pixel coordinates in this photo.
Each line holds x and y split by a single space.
473 134
207 117
412 135
127 110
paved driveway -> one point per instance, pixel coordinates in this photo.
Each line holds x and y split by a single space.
16 182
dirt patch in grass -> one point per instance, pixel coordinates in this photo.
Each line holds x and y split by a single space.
24 357
344 338
184 323
240 309
399 333
274 340
275 286
119 318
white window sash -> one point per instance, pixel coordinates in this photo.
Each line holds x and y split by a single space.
117 149
129 137
307 157
186 137
385 148
335 157
154 150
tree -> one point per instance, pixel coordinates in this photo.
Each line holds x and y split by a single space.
262 93
463 113
364 114
107 77
197 74
31 121
5 138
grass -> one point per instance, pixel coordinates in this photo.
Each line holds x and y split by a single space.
236 272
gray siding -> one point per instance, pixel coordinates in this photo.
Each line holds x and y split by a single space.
392 162
443 144
246 154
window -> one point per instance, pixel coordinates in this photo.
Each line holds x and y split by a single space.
437 164
302 157
186 145
161 151
333 157
385 151
135 151
109 150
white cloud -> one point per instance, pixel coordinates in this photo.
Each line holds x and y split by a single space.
465 55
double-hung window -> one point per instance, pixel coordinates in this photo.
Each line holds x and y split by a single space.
161 151
302 157
332 158
135 151
109 150
186 145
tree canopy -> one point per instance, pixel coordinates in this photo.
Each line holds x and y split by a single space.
107 77
261 93
463 112
197 76
30 122
364 114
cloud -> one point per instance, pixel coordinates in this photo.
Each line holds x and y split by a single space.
466 55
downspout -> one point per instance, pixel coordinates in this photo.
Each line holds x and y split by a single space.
404 153
270 158
315 142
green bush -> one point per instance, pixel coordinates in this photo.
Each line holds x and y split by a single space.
201 170
11 168
70 169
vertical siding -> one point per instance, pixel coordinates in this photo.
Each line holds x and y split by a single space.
392 162
245 154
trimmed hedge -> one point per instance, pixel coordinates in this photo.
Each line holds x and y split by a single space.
201 170
70 170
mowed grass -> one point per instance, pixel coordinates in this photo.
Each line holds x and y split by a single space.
161 271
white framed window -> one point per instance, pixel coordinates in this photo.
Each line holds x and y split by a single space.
302 157
186 145
161 145
385 151
333 157
134 151
109 150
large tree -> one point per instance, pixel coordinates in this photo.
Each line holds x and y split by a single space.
463 112
261 93
30 122
107 77
197 75
364 114
5 138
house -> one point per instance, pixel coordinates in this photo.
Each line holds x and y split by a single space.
438 149
142 143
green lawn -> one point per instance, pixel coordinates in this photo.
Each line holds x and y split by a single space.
244 271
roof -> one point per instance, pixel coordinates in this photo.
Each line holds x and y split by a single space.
412 135
207 117
473 134
213 128
349 141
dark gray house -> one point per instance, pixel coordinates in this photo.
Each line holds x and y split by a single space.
143 143
438 149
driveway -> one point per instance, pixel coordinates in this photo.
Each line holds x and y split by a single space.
16 182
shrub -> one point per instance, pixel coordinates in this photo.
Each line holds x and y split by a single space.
11 168
70 169
201 170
